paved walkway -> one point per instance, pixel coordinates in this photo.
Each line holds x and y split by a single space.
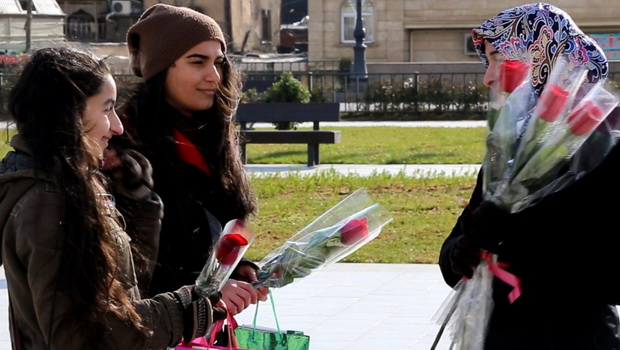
413 170
349 306
345 306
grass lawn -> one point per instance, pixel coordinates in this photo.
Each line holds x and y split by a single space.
424 210
384 145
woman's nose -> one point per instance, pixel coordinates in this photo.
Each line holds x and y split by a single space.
490 77
116 126
214 74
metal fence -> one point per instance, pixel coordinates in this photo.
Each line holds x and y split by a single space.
380 96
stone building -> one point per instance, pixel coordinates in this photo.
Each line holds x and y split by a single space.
431 31
102 24
47 22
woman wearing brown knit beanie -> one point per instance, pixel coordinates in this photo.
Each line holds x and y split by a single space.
181 117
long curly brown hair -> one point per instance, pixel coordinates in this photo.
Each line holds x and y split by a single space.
149 124
60 80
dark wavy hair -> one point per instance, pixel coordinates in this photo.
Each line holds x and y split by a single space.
149 121
47 104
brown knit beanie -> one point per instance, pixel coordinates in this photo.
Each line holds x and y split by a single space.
163 33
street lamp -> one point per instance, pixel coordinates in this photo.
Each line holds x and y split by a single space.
359 59
28 24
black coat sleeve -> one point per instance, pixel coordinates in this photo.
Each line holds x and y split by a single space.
445 255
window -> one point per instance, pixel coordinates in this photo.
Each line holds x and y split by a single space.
348 16
24 5
468 46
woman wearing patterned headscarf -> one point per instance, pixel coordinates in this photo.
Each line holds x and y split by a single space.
563 248
536 33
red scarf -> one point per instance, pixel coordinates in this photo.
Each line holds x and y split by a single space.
188 152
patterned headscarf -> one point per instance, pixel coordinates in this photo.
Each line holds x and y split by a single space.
537 33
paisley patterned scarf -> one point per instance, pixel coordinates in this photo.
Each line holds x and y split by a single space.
537 33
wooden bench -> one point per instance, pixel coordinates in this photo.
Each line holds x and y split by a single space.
249 113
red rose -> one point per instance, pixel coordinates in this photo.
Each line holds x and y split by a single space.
552 102
353 231
511 74
228 248
585 119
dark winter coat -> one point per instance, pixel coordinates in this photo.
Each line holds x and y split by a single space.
31 210
565 251
196 207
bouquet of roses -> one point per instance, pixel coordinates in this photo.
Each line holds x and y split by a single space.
526 165
234 241
338 232
531 152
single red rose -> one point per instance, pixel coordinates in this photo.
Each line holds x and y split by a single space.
228 248
511 74
585 119
552 100
353 231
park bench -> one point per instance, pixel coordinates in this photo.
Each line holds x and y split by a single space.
250 113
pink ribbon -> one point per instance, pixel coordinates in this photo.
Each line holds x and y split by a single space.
498 270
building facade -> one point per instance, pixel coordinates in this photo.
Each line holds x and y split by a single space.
20 28
430 31
102 25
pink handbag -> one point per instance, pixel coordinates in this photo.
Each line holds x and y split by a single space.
202 343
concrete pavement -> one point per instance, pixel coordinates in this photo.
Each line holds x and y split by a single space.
349 306
411 170
344 306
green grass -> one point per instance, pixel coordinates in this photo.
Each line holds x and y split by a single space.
424 210
383 145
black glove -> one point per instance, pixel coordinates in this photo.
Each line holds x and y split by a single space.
198 312
483 228
465 256
489 226
133 178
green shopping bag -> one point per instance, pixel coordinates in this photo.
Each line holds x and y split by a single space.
259 338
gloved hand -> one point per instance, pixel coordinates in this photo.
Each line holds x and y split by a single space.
483 228
465 256
198 312
130 172
489 226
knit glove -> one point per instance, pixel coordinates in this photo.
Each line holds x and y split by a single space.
133 178
198 312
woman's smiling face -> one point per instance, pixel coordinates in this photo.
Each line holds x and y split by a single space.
192 80
99 118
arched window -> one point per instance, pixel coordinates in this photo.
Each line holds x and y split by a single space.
348 15
81 26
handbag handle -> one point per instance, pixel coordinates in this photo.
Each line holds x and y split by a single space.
275 316
232 339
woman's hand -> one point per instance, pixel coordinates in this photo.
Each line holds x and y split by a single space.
238 295
247 273
130 172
